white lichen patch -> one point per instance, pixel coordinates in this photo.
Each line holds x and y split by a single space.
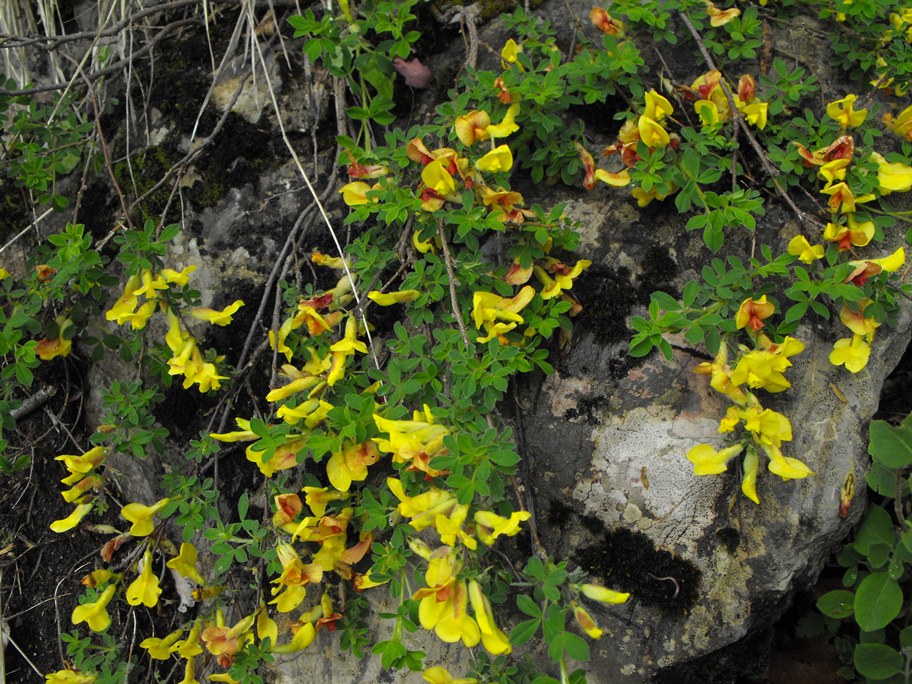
615 489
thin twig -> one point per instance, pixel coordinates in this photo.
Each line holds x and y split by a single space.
25 230
33 402
109 167
111 68
523 492
313 192
451 276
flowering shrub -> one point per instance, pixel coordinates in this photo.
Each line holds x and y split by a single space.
381 462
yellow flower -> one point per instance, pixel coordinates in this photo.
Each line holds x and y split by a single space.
184 563
498 160
764 367
189 672
615 180
491 526
302 637
355 193
652 133
856 321
510 52
151 284
843 112
437 178
708 112
93 458
499 315
871 267
350 464
144 589
718 17
605 23
317 497
752 312
708 461
423 508
892 176
851 352
266 627
312 412
142 516
415 442
70 677
902 124
854 234
190 647
48 349
602 594
833 171
447 615
182 277
657 106
243 435
800 247
563 276
749 482
755 113
440 675
95 614
766 426
492 638
785 467
222 317
161 649
72 494
73 519
508 125
291 585
124 307
843 199
586 622
472 127
390 298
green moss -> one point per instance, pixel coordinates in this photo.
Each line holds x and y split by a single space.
13 211
607 297
210 194
148 168
626 560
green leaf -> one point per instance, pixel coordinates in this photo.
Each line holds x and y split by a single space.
837 604
882 480
576 647
691 290
877 661
878 601
876 528
890 446
528 606
523 632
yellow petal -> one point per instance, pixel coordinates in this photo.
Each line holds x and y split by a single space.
73 519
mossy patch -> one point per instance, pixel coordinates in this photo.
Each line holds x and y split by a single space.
13 211
609 295
141 174
241 153
627 560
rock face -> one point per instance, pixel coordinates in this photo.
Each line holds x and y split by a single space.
704 564
605 437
